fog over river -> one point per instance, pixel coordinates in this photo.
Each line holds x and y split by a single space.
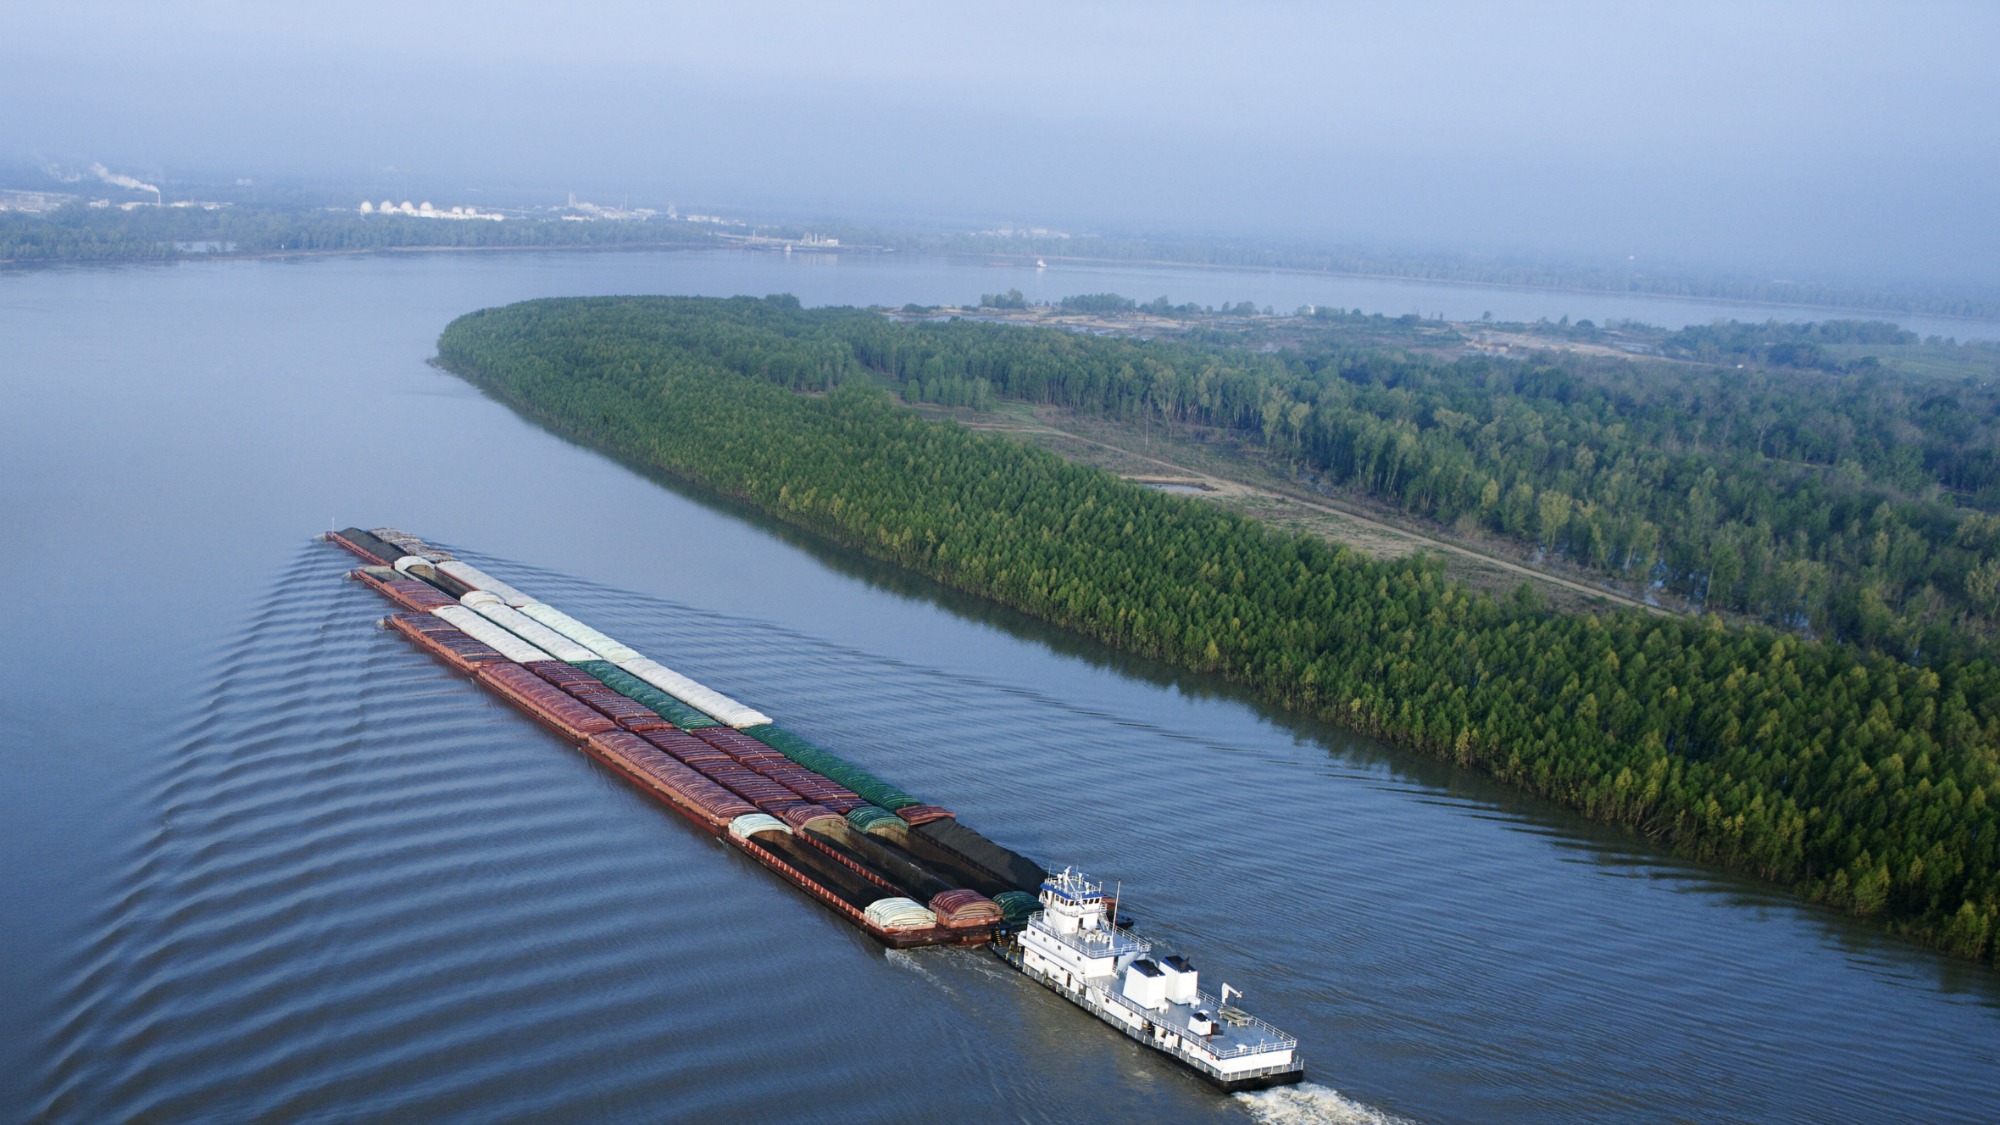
266 861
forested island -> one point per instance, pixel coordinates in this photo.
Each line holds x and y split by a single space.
1854 756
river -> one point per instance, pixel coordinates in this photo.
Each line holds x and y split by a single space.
264 861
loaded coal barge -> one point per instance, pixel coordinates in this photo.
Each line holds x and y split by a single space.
904 872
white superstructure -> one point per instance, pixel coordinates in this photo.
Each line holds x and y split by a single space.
1074 946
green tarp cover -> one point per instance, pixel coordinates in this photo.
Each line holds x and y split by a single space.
646 695
1017 906
830 765
869 817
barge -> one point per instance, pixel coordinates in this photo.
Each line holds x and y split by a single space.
905 872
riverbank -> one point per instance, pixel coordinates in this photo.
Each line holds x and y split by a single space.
1624 717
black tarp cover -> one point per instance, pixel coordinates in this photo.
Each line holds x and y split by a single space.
386 551
1017 871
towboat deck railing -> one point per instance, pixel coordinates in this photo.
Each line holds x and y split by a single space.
1297 1064
1093 943
1266 1038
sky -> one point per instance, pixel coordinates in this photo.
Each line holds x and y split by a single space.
1803 140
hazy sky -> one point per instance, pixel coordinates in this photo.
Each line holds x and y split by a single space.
1793 139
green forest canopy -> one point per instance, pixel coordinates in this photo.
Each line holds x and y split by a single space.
1862 780
1859 506
1852 504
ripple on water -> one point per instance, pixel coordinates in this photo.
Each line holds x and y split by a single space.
375 891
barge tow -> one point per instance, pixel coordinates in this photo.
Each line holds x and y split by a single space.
902 871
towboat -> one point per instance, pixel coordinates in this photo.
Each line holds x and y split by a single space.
1077 947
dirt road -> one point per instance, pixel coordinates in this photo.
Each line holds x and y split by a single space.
1272 503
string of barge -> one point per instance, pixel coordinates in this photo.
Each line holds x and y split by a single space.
905 872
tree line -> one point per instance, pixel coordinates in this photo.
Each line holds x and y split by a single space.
1784 345
1864 781
1860 506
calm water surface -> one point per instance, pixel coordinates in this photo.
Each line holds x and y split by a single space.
264 861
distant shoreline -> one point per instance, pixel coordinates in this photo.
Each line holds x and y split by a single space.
998 259
257 255
1515 286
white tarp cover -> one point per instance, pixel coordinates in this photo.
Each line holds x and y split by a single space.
527 628
899 914
480 580
698 696
707 699
415 567
749 824
479 598
480 629
580 633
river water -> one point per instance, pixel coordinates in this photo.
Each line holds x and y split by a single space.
264 861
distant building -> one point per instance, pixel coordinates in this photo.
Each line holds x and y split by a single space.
426 210
1023 232
578 211
34 201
